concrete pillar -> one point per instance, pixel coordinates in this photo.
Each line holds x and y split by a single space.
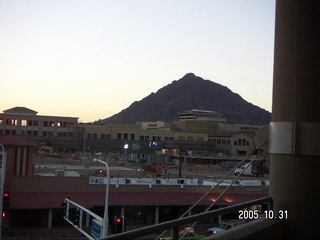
18 161
24 161
49 218
156 214
294 173
122 211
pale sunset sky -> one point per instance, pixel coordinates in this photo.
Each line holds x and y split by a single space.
93 58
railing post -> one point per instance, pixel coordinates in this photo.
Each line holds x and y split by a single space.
270 204
175 233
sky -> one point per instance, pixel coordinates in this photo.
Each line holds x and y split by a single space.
93 58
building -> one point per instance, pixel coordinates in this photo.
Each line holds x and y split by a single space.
60 132
201 115
230 143
35 201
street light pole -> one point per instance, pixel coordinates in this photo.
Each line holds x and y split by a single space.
106 205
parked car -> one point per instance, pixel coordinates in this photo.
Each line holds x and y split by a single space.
250 170
223 226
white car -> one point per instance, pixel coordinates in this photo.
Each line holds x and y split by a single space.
219 228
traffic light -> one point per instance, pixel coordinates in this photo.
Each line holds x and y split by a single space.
6 197
4 214
119 223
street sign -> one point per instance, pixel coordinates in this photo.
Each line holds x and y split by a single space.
96 228
76 219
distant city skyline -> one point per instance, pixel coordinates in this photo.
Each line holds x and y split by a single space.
92 59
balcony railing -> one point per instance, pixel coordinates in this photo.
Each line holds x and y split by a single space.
175 224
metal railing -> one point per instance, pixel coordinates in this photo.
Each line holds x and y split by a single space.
174 224
218 184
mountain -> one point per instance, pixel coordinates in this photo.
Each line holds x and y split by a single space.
191 92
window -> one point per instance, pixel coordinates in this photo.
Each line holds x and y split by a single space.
235 142
29 123
35 133
11 121
70 134
59 124
105 136
125 136
35 123
45 123
132 136
51 124
24 122
89 135
118 135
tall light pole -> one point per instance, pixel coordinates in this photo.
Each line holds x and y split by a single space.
106 205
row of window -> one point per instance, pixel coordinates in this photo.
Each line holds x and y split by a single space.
190 138
23 122
220 141
242 142
127 136
239 142
95 136
35 133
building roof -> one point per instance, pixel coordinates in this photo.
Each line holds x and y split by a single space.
27 200
20 110
11 140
